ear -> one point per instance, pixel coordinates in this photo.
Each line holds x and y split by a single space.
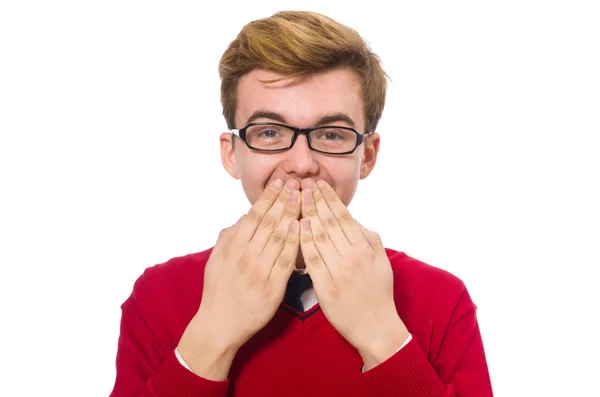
369 157
228 154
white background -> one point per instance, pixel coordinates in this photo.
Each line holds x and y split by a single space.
489 168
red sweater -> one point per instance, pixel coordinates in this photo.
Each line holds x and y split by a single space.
301 354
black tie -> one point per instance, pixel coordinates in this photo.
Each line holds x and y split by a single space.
297 284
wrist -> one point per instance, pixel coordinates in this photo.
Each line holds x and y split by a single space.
384 344
206 360
207 353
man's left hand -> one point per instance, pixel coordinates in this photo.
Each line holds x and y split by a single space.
351 275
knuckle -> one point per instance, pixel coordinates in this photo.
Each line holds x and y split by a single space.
256 277
284 261
283 197
290 213
268 221
271 194
223 233
332 197
244 264
346 217
330 222
291 240
307 238
322 237
277 237
253 215
310 212
314 259
354 263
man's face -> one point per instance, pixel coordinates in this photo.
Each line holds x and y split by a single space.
300 102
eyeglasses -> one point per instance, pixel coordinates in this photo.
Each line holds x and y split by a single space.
274 137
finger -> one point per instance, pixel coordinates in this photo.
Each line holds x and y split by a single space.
340 212
321 239
255 215
272 219
286 262
315 265
328 220
373 238
309 212
276 241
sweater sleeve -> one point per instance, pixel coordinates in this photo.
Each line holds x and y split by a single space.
146 369
458 369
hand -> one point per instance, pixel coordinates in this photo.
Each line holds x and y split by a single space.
244 281
351 275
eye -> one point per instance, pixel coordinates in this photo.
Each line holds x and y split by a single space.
332 136
268 133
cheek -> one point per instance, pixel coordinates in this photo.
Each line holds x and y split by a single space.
255 172
344 177
346 189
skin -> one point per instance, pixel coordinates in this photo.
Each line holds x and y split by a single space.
351 274
247 272
299 103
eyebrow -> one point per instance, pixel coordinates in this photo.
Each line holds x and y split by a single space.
327 119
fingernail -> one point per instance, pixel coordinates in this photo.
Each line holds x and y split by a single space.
305 224
290 185
307 183
277 184
294 196
293 226
322 184
307 196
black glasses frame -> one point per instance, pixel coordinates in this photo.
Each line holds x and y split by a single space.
241 133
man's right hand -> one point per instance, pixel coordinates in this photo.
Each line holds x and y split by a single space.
244 281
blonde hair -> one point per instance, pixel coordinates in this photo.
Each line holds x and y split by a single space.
297 43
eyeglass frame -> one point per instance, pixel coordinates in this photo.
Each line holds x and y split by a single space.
241 133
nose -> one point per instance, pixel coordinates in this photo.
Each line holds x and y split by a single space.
300 159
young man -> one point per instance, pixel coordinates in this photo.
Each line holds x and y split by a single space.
297 298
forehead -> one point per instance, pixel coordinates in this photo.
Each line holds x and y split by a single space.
303 100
